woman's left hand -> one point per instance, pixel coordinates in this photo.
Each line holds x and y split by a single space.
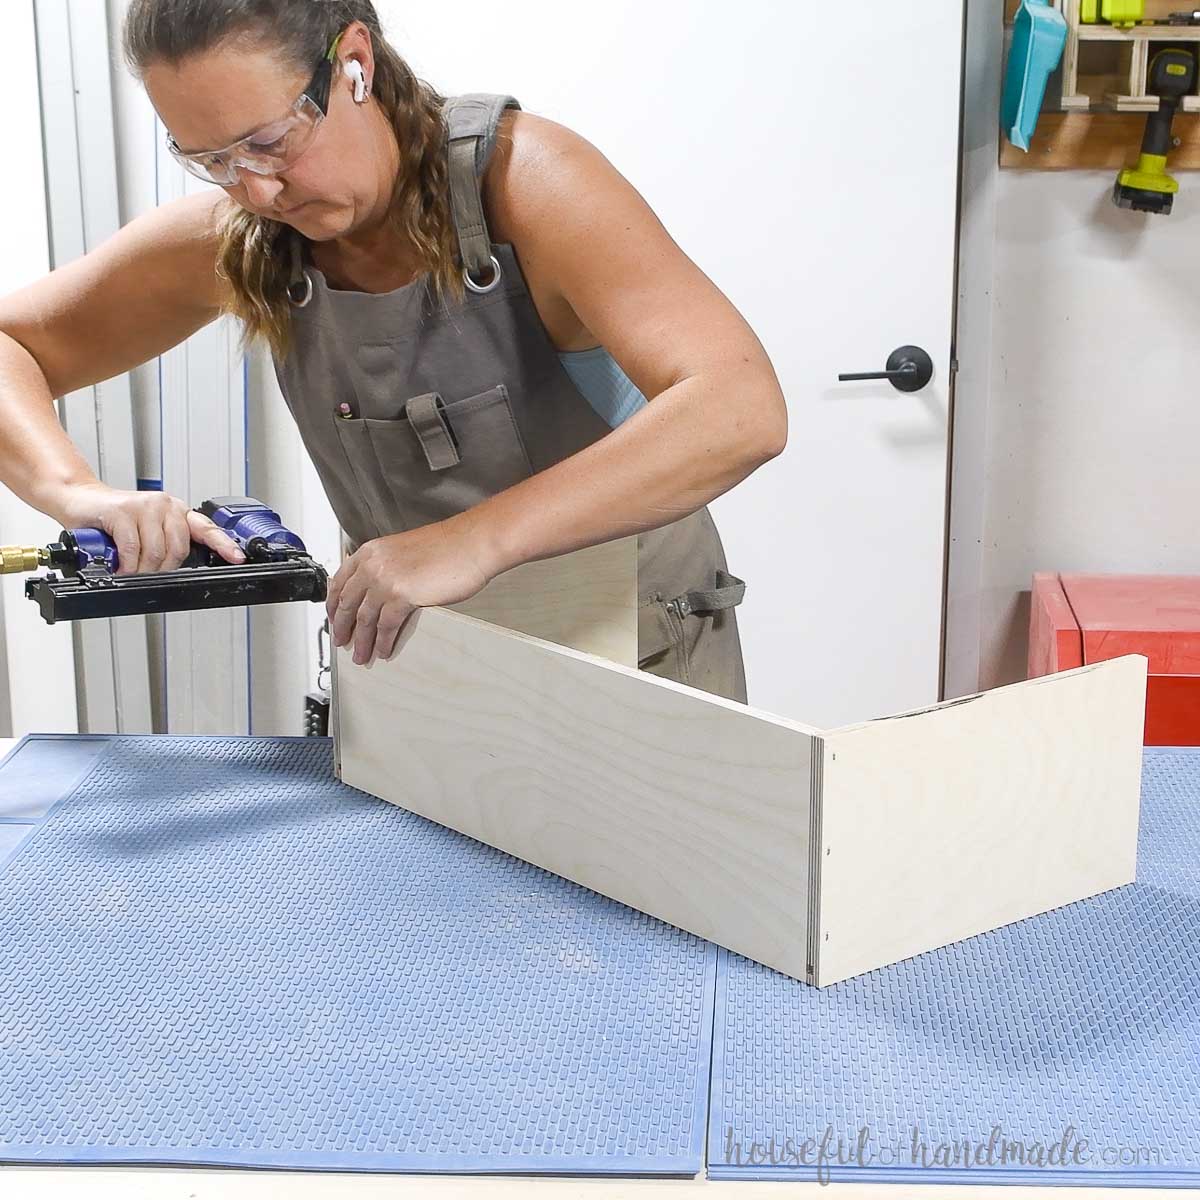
379 586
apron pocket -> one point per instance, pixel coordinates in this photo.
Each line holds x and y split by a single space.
660 640
364 487
445 459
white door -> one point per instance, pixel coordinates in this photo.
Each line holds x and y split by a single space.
806 157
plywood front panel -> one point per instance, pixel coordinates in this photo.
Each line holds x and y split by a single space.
683 805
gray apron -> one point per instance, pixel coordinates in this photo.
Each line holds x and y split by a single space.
413 412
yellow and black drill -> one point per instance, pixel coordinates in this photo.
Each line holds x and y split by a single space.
1147 187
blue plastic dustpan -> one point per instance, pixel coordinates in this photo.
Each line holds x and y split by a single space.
1039 35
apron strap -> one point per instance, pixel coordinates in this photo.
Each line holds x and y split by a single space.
727 594
471 122
474 241
429 423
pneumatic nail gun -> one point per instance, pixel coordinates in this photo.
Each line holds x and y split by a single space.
83 581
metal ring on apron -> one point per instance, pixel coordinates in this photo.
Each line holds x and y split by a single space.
307 291
487 287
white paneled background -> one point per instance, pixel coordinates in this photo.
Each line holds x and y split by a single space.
37 674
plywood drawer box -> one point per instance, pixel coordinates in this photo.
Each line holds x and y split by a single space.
823 853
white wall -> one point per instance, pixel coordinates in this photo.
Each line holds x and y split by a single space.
1094 461
37 666
973 349
1077 401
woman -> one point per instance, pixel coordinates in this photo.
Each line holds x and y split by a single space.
447 287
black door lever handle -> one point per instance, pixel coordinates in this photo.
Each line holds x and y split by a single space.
908 369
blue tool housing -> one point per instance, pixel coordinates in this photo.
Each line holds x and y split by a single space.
255 527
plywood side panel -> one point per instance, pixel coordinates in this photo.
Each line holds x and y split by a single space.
952 821
586 600
683 805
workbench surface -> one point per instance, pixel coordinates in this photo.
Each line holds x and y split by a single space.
1020 1023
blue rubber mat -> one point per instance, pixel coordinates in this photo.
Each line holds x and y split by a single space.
12 834
211 952
1064 1049
43 769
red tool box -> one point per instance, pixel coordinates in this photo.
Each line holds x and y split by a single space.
1080 619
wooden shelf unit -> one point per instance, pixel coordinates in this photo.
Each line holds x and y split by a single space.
1103 73
1104 66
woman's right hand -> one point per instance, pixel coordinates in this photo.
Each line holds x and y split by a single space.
152 531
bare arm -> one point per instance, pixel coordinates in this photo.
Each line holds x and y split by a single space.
716 409
140 292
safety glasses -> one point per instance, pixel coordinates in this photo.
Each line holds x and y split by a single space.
275 147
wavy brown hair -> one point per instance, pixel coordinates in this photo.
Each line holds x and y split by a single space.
253 261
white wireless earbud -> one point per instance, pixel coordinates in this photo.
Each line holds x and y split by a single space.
355 71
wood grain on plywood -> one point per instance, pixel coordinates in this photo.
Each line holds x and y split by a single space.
683 805
586 600
950 822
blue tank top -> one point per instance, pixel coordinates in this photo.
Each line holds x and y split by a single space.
602 383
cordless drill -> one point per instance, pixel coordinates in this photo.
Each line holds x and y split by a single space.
1147 187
